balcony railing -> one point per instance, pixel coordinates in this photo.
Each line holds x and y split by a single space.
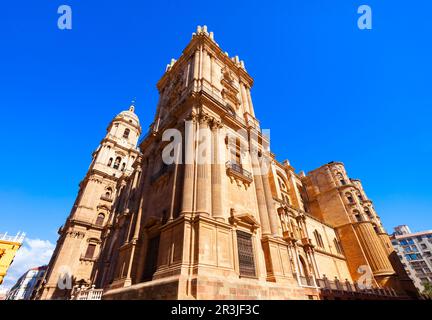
345 287
236 169
306 281
85 293
18 238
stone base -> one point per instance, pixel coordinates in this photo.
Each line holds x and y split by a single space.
211 288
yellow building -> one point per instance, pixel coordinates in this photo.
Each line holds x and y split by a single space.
9 246
224 219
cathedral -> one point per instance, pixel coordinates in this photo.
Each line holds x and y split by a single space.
199 207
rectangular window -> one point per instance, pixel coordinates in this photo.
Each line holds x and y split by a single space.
245 254
151 258
90 251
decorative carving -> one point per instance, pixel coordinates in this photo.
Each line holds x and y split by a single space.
244 219
230 89
75 234
238 174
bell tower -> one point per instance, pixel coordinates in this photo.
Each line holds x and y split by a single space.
81 236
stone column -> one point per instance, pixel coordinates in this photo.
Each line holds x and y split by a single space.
203 201
206 66
216 173
244 99
373 249
178 156
213 71
189 165
136 230
196 68
251 108
259 188
270 204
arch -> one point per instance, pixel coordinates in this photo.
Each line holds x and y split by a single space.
341 179
304 270
318 239
100 219
90 252
357 215
126 133
110 161
117 163
284 188
123 166
108 192
349 197
337 246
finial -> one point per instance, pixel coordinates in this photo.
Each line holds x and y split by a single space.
132 106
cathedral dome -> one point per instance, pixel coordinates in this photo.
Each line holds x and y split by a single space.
129 116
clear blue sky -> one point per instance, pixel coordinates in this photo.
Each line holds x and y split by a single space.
327 91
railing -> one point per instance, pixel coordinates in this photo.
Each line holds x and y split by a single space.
85 293
19 238
231 165
306 281
338 286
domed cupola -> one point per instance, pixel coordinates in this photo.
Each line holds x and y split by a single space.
130 117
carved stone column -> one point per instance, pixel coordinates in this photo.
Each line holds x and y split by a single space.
203 202
244 98
216 172
259 188
251 108
273 218
189 166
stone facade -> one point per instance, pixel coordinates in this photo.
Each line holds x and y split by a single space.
78 246
225 220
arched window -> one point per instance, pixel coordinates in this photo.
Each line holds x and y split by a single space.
367 211
123 166
337 246
349 197
341 178
284 190
126 133
304 271
90 251
318 239
357 216
110 161
117 163
360 197
305 275
108 192
100 219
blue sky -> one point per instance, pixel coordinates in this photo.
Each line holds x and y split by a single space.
327 90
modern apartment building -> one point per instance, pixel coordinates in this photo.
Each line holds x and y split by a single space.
415 251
